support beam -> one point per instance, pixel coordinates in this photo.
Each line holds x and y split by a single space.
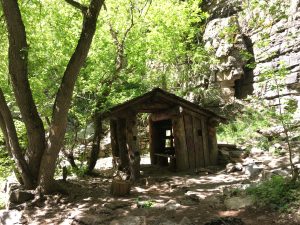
121 139
166 114
132 147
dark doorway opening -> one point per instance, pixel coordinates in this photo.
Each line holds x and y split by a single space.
162 139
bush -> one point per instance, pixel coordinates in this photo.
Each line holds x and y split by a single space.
6 163
242 128
277 193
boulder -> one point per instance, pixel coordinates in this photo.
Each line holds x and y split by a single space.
20 196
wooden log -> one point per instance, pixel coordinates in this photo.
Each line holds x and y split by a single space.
132 148
181 154
120 188
121 139
188 126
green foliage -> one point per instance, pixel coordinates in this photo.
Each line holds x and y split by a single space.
79 172
144 204
243 128
6 163
229 33
163 49
277 193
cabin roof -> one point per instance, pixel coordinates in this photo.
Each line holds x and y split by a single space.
156 100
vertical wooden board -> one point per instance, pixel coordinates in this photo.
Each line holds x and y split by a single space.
213 145
151 141
198 142
189 137
121 138
182 162
113 138
205 141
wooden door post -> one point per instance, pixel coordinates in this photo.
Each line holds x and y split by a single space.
132 147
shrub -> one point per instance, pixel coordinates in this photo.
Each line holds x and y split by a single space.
277 193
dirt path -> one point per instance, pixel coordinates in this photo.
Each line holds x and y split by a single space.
170 197
160 198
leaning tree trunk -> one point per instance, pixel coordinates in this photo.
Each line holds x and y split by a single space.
64 96
18 63
12 142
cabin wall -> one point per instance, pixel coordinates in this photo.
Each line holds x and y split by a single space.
195 141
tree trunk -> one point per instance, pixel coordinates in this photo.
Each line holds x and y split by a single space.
18 60
64 96
96 143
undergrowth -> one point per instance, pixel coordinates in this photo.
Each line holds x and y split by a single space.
6 164
277 193
242 128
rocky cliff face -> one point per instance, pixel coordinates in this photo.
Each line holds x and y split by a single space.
250 39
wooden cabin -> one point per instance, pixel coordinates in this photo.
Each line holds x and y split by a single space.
182 134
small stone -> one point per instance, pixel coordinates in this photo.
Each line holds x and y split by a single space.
257 151
185 221
171 205
130 220
116 205
238 202
253 170
88 219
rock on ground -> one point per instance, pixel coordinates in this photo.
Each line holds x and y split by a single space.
130 220
238 202
10 217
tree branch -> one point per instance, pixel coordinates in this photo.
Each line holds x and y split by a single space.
77 5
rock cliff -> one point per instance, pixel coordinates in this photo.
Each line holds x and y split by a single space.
250 39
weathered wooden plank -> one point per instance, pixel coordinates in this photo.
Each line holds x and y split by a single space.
132 147
189 137
166 114
205 141
152 139
113 138
121 139
182 162
198 142
213 145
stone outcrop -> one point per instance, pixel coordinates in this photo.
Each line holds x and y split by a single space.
274 43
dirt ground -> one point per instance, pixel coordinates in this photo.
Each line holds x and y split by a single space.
170 197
